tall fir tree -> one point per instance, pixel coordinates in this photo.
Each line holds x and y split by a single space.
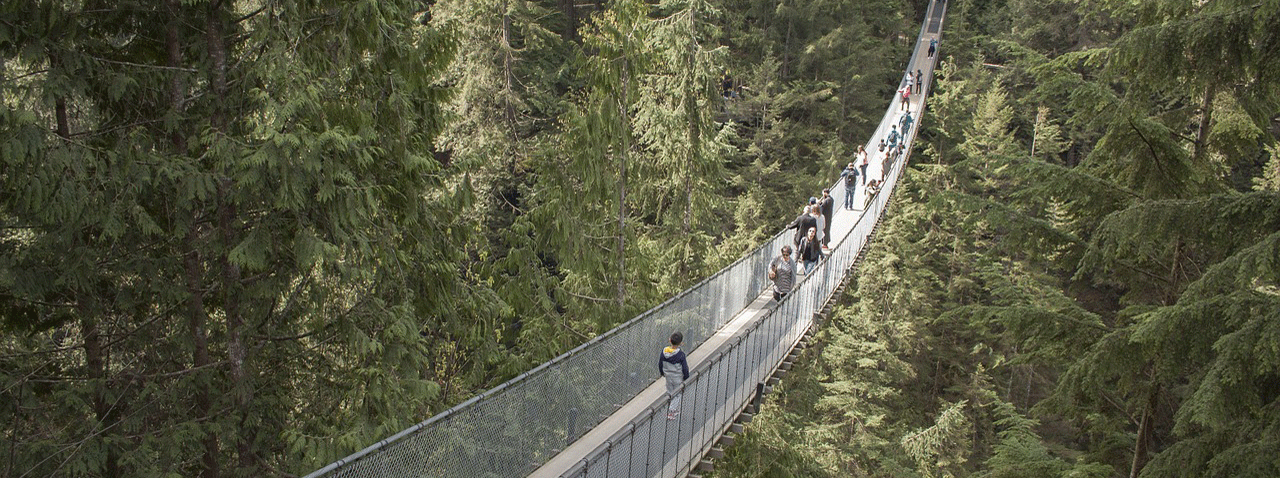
231 241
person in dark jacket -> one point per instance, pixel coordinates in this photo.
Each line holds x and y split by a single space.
673 366
810 251
828 205
802 225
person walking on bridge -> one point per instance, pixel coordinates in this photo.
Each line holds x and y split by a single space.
828 205
850 177
905 122
886 164
802 224
863 161
810 251
673 366
816 211
782 271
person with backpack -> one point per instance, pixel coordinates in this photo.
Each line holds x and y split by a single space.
850 177
673 365
906 123
893 136
782 271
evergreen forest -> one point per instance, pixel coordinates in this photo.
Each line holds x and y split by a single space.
1080 274
245 238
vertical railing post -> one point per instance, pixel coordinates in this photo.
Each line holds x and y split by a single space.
569 435
755 403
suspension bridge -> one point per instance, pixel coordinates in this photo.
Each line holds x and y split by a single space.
600 410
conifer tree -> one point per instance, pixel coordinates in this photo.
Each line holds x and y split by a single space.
674 123
233 235
584 201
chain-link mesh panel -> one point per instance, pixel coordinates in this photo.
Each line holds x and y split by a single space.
511 430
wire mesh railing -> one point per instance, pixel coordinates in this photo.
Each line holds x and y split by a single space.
512 429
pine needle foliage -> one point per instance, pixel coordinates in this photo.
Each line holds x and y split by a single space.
228 244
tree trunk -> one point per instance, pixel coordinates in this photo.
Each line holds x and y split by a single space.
173 59
571 21
786 48
1142 446
95 355
63 126
242 390
15 427
196 317
96 363
60 112
694 137
509 110
196 321
621 247
1206 116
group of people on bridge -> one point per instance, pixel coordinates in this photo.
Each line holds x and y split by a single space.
813 226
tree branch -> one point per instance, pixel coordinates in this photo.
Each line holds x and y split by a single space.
140 65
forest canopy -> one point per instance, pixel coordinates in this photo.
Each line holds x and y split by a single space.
1080 274
243 238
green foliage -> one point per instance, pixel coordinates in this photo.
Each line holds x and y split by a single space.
1102 302
939 450
228 229
1270 180
246 240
